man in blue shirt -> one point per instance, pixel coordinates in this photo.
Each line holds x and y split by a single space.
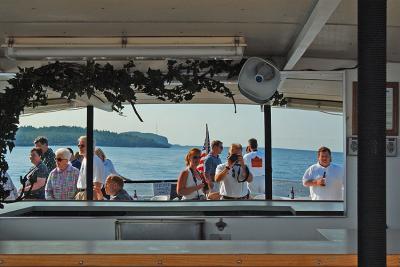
211 162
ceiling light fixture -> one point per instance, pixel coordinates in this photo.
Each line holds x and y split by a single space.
100 48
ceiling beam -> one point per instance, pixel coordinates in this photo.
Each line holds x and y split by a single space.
320 14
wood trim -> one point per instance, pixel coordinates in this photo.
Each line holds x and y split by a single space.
390 132
287 260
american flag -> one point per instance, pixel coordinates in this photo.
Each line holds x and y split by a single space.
204 152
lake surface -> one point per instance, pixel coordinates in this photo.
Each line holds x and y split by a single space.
288 166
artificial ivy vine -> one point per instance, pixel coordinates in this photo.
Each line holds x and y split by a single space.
29 89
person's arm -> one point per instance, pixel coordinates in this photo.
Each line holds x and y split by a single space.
27 187
207 180
97 194
308 179
181 188
98 179
316 182
40 182
245 171
49 189
221 172
250 177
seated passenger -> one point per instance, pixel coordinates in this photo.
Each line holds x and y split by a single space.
115 188
9 186
325 179
39 172
234 175
192 185
61 184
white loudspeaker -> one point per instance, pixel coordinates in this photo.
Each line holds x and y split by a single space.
258 80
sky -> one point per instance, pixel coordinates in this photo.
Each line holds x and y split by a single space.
184 124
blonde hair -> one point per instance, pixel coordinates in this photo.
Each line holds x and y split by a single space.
100 153
83 138
234 146
190 154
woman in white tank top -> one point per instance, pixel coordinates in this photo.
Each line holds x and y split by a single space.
190 182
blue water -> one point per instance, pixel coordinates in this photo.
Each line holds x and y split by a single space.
288 165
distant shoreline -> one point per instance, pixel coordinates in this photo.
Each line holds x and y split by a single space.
172 146
67 135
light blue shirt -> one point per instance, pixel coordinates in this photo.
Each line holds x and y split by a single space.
109 169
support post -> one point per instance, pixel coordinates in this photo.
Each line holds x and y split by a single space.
371 167
268 152
89 152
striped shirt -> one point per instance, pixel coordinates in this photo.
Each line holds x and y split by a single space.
61 185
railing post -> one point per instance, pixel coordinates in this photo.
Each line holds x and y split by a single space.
89 153
268 152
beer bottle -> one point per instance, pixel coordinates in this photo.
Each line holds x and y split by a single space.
323 177
135 197
292 193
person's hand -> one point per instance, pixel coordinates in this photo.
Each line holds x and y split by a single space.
320 182
200 186
240 160
230 164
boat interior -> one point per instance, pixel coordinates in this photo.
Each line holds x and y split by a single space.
314 45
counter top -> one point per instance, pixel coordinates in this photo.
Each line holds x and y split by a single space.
291 207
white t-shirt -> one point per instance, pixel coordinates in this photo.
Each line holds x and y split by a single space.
229 185
255 160
190 182
334 178
98 172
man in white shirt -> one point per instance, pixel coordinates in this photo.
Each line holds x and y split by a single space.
325 179
234 175
255 160
98 173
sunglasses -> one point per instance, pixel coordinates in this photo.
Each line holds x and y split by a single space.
59 159
196 157
81 146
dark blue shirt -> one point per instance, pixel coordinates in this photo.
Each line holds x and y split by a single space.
76 163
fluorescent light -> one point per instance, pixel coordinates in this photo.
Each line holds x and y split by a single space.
124 47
